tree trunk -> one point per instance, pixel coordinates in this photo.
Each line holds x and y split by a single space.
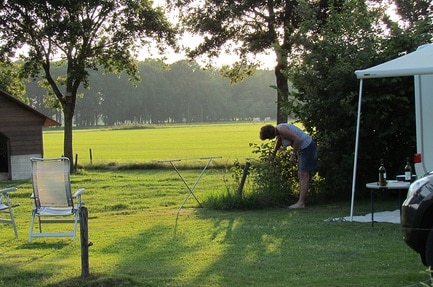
67 140
282 88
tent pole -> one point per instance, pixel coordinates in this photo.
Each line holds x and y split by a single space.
355 159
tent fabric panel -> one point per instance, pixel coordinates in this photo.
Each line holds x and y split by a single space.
424 118
419 62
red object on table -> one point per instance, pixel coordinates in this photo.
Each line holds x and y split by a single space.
417 158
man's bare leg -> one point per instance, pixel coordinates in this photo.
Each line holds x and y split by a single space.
304 183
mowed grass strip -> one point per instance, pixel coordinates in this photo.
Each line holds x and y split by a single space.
231 141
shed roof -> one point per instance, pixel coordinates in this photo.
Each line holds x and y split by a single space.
47 121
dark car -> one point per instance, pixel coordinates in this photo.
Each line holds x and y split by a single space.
417 218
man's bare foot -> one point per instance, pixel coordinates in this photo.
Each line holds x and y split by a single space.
296 206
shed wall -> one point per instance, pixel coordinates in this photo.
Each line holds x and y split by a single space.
22 127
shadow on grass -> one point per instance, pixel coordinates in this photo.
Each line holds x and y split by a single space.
18 280
253 248
97 280
44 245
267 248
248 248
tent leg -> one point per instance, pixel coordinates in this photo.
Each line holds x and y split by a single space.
355 159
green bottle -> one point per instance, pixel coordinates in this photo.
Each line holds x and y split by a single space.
407 171
382 174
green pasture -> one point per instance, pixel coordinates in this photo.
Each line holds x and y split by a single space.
141 238
154 143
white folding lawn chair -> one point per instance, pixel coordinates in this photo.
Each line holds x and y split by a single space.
53 199
6 206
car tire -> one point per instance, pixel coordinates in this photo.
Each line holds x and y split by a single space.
429 252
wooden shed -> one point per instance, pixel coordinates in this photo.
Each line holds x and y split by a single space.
20 137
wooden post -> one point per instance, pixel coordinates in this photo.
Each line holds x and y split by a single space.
84 236
244 177
76 162
91 155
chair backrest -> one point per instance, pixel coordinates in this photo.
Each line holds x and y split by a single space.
51 182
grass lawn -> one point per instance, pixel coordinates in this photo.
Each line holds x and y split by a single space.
231 141
138 240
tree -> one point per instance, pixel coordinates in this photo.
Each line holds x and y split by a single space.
160 96
355 36
82 34
9 81
325 100
248 28
415 11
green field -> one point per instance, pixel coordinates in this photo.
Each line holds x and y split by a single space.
231 141
141 238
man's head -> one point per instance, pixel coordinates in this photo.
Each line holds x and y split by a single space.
267 132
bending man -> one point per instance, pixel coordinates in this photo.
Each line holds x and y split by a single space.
303 151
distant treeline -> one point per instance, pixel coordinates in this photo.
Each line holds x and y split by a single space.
180 93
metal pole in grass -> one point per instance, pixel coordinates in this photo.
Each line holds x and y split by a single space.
84 236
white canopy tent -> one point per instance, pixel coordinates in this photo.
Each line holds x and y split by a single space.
420 65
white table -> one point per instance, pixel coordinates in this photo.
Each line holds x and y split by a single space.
391 184
191 189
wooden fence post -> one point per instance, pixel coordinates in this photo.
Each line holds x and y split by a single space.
244 177
76 162
84 236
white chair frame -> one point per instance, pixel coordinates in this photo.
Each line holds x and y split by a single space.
53 200
6 205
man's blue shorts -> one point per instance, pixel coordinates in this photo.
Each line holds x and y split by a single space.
307 158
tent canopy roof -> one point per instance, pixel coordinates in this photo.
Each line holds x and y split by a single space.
419 62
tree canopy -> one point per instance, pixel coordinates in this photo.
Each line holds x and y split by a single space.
357 36
82 34
246 28
10 81
182 92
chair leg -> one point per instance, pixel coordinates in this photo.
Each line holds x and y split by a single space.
75 225
72 234
12 217
32 221
40 224
8 207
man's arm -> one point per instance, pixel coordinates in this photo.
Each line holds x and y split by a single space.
296 142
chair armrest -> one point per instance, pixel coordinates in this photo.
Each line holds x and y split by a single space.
9 189
77 195
79 192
